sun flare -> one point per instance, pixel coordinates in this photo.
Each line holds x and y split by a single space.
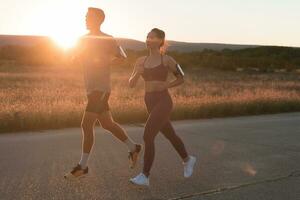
63 23
65 41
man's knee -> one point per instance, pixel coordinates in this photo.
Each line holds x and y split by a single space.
88 133
109 125
88 121
86 126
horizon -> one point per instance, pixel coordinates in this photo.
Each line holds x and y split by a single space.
269 23
257 45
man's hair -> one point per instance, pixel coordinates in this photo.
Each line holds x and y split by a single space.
99 13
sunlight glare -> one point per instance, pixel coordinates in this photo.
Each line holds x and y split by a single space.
65 41
64 23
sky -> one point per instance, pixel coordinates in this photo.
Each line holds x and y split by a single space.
264 22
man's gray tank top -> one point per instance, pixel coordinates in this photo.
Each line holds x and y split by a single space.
96 54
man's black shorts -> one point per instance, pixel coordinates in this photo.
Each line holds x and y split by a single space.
98 102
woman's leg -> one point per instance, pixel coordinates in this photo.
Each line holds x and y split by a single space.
159 115
169 132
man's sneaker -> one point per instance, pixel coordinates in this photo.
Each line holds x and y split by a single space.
76 172
189 166
133 156
141 180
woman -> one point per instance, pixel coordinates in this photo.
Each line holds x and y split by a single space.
154 69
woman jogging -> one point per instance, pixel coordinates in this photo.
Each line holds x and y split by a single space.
154 69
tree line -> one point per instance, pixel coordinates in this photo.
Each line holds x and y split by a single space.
264 58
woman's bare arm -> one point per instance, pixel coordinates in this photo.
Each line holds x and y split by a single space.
137 71
173 67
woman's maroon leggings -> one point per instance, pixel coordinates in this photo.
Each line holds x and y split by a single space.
159 106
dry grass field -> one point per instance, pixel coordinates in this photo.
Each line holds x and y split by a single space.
55 98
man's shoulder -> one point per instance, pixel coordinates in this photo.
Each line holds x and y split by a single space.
96 40
98 36
110 38
107 35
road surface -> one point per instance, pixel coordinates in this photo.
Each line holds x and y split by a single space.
256 157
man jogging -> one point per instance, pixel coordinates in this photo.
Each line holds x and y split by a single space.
96 51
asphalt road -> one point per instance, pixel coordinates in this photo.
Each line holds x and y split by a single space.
255 157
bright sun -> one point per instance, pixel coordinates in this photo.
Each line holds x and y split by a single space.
63 23
65 41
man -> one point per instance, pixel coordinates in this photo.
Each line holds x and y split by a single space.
96 51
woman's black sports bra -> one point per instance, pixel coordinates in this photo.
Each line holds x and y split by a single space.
158 73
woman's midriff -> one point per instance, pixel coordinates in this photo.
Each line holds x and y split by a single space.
155 86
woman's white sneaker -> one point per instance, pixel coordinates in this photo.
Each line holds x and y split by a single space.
140 179
189 167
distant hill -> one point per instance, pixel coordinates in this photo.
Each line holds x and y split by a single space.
127 43
188 47
131 44
42 51
21 40
183 46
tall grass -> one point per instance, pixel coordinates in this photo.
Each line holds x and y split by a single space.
55 98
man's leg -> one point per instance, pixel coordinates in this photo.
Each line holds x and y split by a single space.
87 125
115 129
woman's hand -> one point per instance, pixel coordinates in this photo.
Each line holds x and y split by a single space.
164 86
178 81
140 69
